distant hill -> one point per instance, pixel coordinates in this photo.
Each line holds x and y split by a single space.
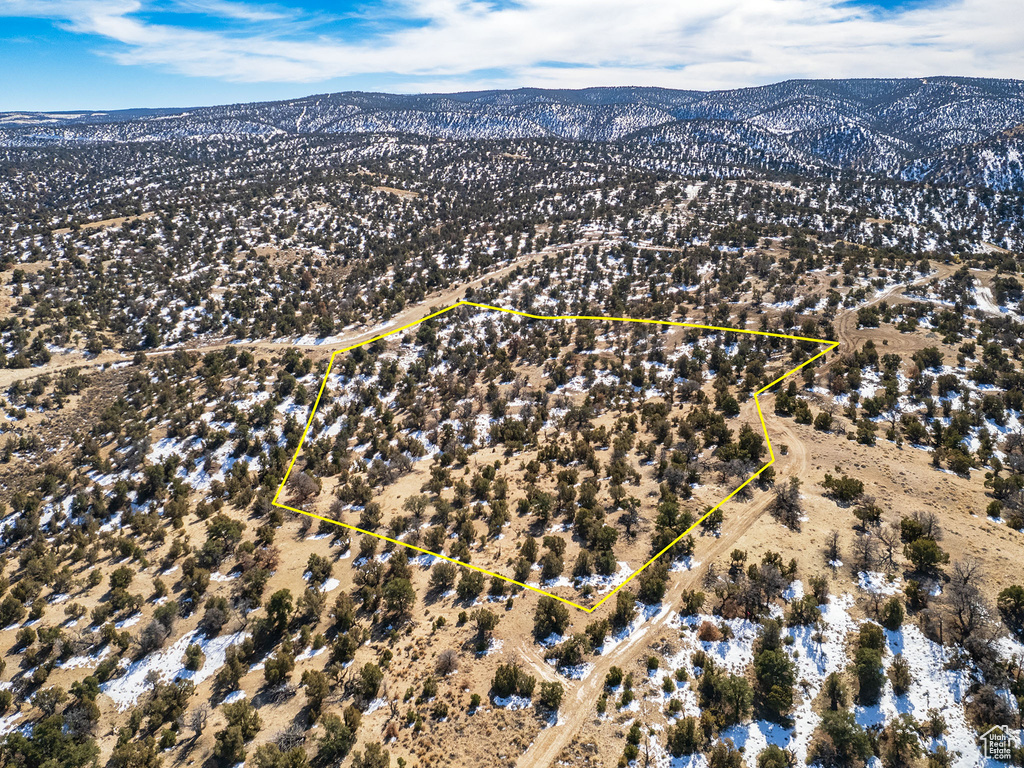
941 129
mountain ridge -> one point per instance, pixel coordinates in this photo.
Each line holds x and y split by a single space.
901 126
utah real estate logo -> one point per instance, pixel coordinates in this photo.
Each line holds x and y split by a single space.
999 743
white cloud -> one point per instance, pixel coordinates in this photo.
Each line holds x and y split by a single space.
594 42
231 10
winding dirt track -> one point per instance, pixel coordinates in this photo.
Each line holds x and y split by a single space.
408 315
581 696
850 335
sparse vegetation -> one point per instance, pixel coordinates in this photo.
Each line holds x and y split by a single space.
159 371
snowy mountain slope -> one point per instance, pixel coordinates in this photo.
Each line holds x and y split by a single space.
724 142
997 162
907 126
853 146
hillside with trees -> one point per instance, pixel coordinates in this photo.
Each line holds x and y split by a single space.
168 312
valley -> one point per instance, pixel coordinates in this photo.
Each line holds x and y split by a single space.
172 293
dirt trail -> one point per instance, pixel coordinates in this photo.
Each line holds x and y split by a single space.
408 315
581 696
106 223
57 364
739 518
851 336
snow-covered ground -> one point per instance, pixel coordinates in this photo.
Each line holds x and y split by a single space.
8 722
880 583
817 651
169 665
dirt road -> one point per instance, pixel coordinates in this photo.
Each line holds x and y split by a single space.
581 696
850 336
411 313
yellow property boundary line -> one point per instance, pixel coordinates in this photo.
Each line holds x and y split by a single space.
831 346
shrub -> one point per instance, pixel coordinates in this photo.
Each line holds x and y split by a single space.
551 566
277 668
871 636
550 618
684 738
870 677
597 631
1011 606
839 742
141 753
774 756
319 569
614 678
509 679
653 583
279 609
399 596
803 612
899 674
121 577
337 740
243 724
243 715
725 698
725 755
233 671
987 707
447 662
429 690
691 602
925 554
214 618
11 610
370 678
709 633
902 746
843 489
892 614
775 674
272 756
571 652
194 657
373 756
819 588
625 608
49 700
24 638
551 695
470 585
317 689
835 691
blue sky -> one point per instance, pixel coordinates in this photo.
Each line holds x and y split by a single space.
112 54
